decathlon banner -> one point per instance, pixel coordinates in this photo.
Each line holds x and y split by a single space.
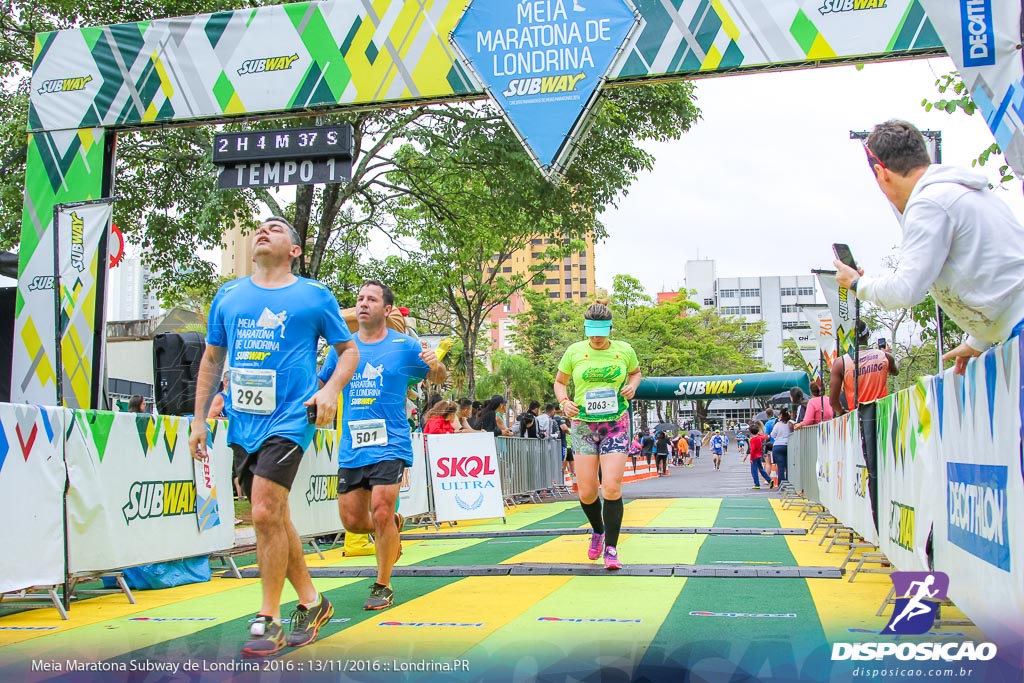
979 489
983 37
908 465
132 497
465 476
413 496
82 275
313 500
842 474
840 302
32 479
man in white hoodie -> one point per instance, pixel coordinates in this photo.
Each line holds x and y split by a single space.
960 242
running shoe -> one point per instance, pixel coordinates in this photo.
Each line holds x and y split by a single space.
266 638
611 558
758 487
596 543
306 622
381 597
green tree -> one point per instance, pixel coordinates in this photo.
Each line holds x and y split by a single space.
543 332
791 356
517 378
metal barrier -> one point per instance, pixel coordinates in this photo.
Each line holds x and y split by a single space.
803 461
529 465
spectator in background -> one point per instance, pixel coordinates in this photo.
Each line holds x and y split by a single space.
432 401
647 446
136 404
222 399
465 411
526 426
796 397
819 409
661 448
872 372
780 443
474 417
960 242
442 418
756 449
562 427
545 424
491 419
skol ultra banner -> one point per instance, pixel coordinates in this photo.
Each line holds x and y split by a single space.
841 304
465 475
983 38
82 275
132 495
32 479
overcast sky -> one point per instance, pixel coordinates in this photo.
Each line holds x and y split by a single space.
769 178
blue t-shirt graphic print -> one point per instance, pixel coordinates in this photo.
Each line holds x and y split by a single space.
271 336
377 392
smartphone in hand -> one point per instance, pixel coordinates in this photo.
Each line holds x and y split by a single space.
844 255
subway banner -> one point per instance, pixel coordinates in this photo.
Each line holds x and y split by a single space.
319 56
81 279
841 302
842 474
465 475
983 38
413 494
32 479
132 496
723 386
313 500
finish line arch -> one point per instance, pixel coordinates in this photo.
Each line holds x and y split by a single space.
335 55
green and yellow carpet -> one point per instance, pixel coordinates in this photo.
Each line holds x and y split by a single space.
502 627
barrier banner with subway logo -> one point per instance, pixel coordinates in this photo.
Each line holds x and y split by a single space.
979 489
32 479
132 495
465 476
313 500
842 475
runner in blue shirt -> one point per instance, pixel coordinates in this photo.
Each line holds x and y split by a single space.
717 445
375 443
267 328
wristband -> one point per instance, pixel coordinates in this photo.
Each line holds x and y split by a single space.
853 285
563 400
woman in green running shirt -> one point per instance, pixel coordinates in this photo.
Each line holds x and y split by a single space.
605 375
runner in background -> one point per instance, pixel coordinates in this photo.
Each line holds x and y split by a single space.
605 375
274 406
717 444
376 445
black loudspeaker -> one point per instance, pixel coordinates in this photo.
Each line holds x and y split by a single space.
176 357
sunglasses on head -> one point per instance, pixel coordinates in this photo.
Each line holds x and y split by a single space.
872 157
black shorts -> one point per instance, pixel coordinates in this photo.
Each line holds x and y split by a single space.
568 453
277 459
383 473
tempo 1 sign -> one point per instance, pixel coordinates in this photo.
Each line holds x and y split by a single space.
290 156
290 172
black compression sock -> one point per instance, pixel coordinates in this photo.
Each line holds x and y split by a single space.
593 513
612 521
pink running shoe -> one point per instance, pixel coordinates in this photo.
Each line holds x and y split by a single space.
596 543
611 558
